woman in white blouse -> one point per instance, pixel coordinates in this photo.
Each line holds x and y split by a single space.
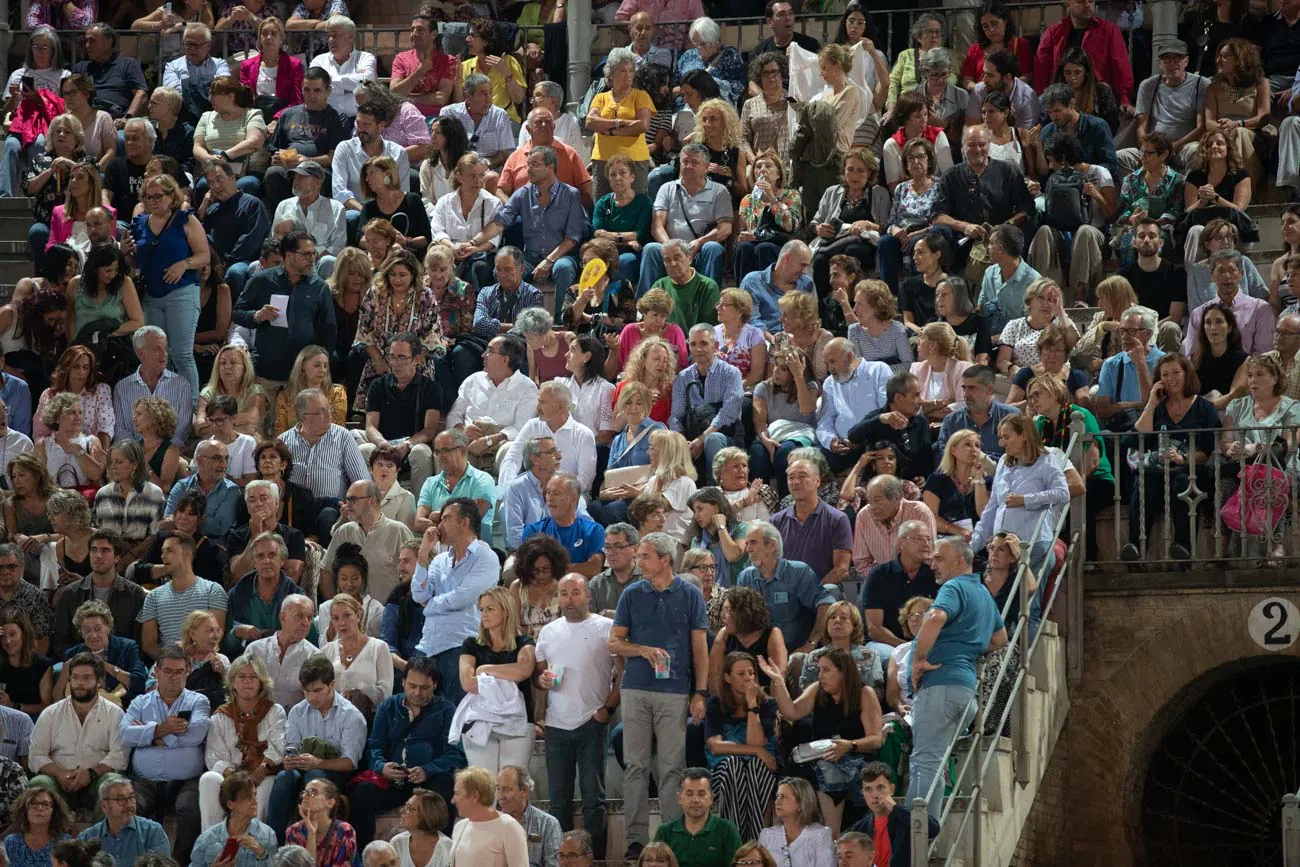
363 667
461 214
244 734
593 394
448 142
421 842
351 576
484 837
798 837
672 474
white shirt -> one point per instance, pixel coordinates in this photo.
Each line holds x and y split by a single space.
434 182
324 218
61 737
566 130
593 403
284 674
360 66
221 749
241 457
13 444
677 521
450 224
509 404
371 620
583 651
812 848
577 449
371 671
350 156
441 852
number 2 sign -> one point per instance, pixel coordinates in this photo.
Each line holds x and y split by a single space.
1274 624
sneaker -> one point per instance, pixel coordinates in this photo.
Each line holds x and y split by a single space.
633 851
1130 553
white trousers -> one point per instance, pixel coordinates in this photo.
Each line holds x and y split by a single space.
210 812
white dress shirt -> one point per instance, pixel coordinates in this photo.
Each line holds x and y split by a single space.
284 673
324 219
350 156
360 66
450 224
593 403
221 749
371 671
61 737
509 404
577 450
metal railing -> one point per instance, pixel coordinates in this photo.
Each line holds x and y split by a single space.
1290 830
983 748
1219 495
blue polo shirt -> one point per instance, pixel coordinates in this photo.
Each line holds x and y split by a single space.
792 597
972 619
582 539
661 618
223 500
140 836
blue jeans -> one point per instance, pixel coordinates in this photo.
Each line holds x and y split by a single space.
37 237
714 443
177 313
250 184
237 276
582 749
564 273
629 267
938 713
353 219
765 466
754 256
283 809
658 177
12 161
889 260
710 261
448 663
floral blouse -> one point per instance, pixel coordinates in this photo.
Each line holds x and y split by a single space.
53 193
456 308
96 412
727 68
911 208
379 320
338 849
240 35
285 417
761 128
738 352
1134 195
787 209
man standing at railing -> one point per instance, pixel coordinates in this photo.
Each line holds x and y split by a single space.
1098 37
779 15
962 625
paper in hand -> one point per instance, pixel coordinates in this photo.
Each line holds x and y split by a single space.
280 303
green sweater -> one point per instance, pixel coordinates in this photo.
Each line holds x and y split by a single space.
714 846
694 301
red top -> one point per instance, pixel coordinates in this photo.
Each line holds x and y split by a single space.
1102 41
884 851
973 66
444 68
930 134
659 412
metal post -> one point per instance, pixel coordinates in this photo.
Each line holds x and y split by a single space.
1073 573
1290 830
581 38
1020 728
1164 26
920 814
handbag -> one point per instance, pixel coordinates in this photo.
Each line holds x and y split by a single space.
698 415
768 232
1259 503
627 476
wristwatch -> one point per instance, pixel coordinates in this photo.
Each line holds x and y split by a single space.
755 709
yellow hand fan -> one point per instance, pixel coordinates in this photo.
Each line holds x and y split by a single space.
592 274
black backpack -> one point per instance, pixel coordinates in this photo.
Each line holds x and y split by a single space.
1065 205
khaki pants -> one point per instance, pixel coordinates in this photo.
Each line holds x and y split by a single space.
1085 260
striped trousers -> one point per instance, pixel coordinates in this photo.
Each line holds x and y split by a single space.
742 789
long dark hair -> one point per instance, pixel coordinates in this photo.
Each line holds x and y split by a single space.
589 343
842 32
457 142
1201 354
850 692
998 8
101 257
703 83
32 327
55 267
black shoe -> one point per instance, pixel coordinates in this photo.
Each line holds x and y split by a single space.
1179 552
1130 553
633 851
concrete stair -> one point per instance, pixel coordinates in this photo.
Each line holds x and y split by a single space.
15 261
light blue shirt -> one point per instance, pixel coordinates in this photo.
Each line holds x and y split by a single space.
172 387
342 726
181 755
138 837
210 843
18 398
449 592
1004 300
1043 486
959 420
1127 391
524 503
844 404
767 300
223 500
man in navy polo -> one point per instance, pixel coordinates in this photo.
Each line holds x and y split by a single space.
582 538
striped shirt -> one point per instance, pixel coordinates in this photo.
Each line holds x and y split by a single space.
169 608
876 542
172 387
316 467
133 517
493 133
16 727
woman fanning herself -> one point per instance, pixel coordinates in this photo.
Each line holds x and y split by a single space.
740 739
843 710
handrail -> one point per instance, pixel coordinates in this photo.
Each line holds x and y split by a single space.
1290 830
922 848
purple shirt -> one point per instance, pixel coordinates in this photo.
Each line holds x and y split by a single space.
1254 320
815 540
409 127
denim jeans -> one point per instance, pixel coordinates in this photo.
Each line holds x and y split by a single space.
448 663
938 713
283 811
659 176
236 277
765 466
564 273
12 161
177 313
629 267
37 237
710 261
580 751
714 443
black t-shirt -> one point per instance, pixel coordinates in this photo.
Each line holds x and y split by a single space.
487 656
974 329
1159 288
803 40
123 180
1225 187
888 588
24 684
1216 374
116 82
915 296
410 218
992 197
1076 380
401 410
237 541
954 506
311 133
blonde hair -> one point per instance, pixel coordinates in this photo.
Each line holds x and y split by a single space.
249 660
1052 386
94 196
74 126
801 307
479 783
169 187
909 608
385 164
635 369
730 123
192 621
655 301
161 414
1116 293
347 600
948 463
740 299
467 159
297 376
1022 424
632 391
1036 288
674 458
859 632
441 254
510 628
246 382
350 259
942 337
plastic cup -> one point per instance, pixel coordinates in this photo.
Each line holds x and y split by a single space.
663 668
557 676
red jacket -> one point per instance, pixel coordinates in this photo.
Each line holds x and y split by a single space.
1102 42
288 78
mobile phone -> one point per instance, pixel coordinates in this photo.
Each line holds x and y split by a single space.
230 850
291 751
185 714
29 82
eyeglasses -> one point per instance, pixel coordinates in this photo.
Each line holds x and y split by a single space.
41 805
619 546
122 799
153 197
447 450
359 499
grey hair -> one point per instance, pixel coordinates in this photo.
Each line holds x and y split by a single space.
532 447
676 244
271 537
703 328
341 21
922 21
569 480
547 153
960 545
726 456
304 397
555 92
814 456
843 344
696 148
558 390
145 127
1149 317
71 505
9 549
794 246
908 526
459 439
583 838
258 484
534 322
661 543
376 848
144 332
513 252
770 534
622 55
706 30
521 774
935 59
200 28
627 531
888 485
474 81
298 599
171 95
1228 254
292 856
1059 93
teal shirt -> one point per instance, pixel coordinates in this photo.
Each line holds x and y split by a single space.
973 619
714 846
632 217
475 484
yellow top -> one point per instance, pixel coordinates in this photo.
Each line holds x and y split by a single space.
500 93
631 146
284 414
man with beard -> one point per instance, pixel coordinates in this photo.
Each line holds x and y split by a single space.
121 833
352 154
259 594
1159 283
78 739
305 133
853 389
403 622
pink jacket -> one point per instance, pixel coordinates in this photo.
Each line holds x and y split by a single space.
951 376
288 78
31 118
1102 41
61 226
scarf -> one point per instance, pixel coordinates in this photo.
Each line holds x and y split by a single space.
253 749
930 134
1056 433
